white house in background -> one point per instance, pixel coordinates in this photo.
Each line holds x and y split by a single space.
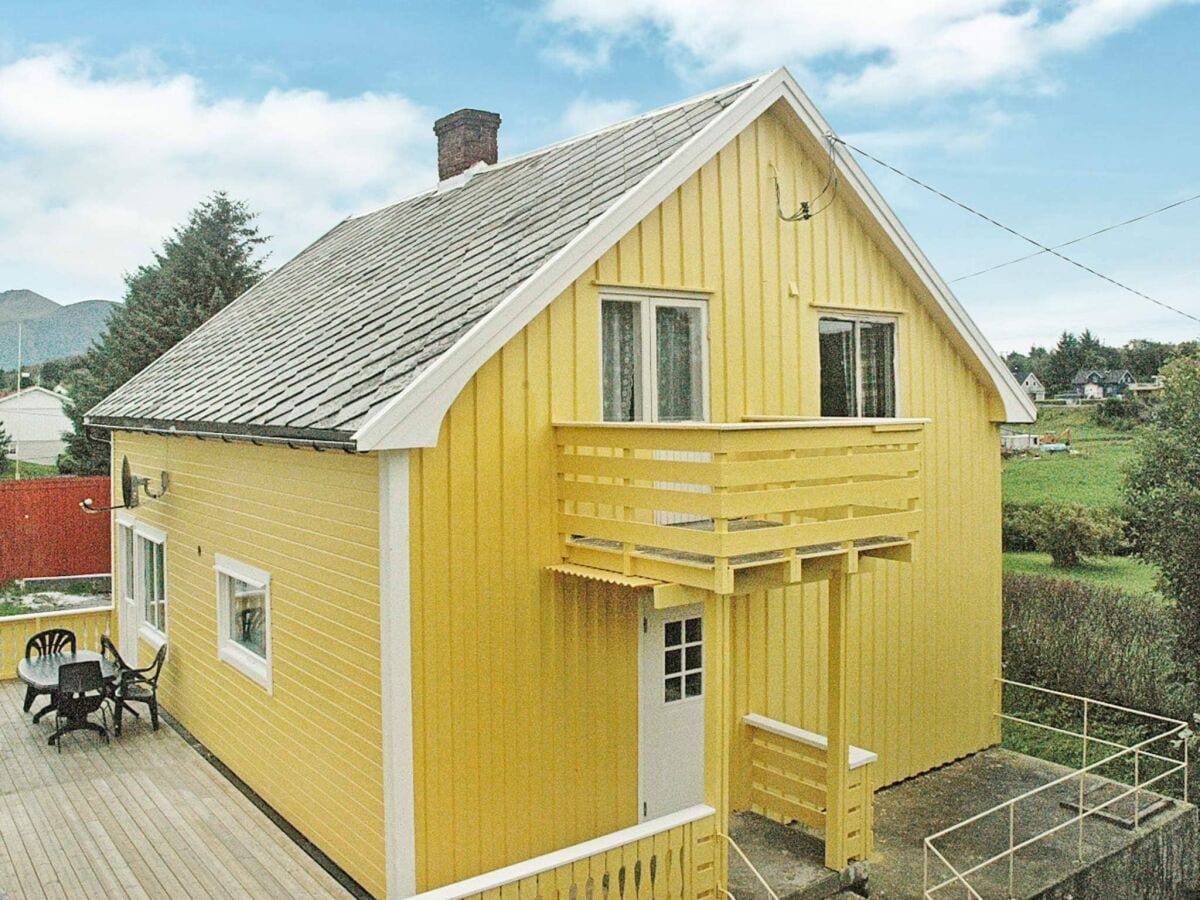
35 419
1031 384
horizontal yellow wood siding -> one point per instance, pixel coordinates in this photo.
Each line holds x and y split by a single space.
313 747
525 696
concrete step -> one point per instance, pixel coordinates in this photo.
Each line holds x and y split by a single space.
789 860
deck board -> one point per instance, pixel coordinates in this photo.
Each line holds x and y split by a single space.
145 816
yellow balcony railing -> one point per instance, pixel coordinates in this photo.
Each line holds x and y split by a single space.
730 507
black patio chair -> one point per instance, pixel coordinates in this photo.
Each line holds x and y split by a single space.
82 691
53 640
109 651
139 686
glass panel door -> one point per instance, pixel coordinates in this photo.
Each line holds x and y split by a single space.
621 351
839 369
679 351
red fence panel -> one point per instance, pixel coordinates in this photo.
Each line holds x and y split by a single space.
44 533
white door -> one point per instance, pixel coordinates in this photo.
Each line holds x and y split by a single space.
672 682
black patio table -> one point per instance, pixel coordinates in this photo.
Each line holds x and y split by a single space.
42 672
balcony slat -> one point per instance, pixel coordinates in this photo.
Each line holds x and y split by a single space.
833 531
885 463
803 500
687 540
634 469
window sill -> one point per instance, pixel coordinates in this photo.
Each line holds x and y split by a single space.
253 667
151 636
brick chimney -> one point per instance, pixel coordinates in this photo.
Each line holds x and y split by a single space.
465 138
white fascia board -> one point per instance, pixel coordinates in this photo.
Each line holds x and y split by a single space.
414 417
395 636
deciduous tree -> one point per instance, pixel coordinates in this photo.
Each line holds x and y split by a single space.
1162 495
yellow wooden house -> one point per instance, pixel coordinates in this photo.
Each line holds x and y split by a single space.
519 533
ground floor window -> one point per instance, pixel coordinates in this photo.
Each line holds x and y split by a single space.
244 618
142 576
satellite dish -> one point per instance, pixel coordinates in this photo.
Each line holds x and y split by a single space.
130 486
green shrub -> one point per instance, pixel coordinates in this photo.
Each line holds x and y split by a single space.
1122 414
1069 532
1093 641
1017 530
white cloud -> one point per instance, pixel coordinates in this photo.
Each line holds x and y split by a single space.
580 59
98 163
974 130
889 51
586 114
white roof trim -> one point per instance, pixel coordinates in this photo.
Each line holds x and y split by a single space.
413 418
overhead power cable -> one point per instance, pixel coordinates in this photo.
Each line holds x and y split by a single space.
1153 212
1042 247
805 210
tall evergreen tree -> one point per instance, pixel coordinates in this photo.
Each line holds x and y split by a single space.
1065 360
204 264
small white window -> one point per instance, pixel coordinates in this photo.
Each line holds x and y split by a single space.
152 581
244 619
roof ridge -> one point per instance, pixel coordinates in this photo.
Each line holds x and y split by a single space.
649 114
565 142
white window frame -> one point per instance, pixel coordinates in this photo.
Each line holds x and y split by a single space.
856 320
256 668
648 302
125 560
138 532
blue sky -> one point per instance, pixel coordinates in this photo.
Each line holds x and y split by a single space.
1057 118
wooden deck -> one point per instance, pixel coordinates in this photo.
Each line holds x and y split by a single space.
145 816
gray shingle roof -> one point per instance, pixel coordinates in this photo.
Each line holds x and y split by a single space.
347 324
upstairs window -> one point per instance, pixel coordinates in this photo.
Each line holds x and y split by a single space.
653 357
858 367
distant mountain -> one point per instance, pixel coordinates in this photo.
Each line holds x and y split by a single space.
50 331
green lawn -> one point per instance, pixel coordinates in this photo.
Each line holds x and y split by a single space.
1092 477
29 470
1122 572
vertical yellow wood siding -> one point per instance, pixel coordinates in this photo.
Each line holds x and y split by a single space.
526 694
313 747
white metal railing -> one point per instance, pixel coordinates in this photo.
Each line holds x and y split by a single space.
749 865
960 876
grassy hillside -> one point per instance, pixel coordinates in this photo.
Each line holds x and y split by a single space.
1093 477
